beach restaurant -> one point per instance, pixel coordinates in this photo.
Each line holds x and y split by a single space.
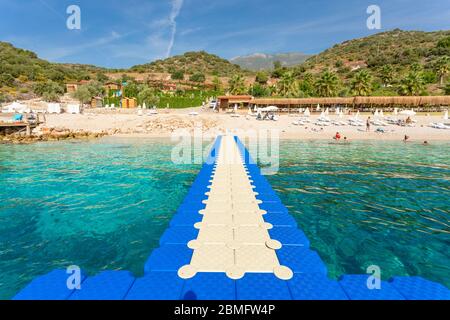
359 103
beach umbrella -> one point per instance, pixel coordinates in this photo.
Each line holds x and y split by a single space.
376 113
235 108
256 108
307 112
341 114
408 113
446 115
381 114
144 106
318 107
395 111
357 115
327 112
338 111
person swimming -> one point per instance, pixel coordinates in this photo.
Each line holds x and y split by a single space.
406 138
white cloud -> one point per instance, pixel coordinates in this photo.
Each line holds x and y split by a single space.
176 8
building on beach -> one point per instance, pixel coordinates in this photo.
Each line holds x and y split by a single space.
360 103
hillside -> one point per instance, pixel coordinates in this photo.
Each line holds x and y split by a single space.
21 69
396 50
261 61
191 63
396 47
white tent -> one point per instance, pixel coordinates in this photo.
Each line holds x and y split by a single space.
53 108
318 107
357 115
338 111
144 106
15 107
327 112
408 113
255 109
381 114
307 112
396 111
341 114
235 108
73 108
376 113
446 115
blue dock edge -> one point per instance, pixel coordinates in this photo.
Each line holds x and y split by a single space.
161 282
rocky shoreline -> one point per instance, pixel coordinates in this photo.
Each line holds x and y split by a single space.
50 134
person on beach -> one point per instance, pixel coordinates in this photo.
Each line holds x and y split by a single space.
425 143
368 124
337 137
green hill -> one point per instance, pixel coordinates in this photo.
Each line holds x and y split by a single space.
21 70
192 63
397 51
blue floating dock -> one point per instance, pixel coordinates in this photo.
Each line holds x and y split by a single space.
161 281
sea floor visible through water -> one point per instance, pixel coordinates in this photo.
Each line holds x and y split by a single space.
104 204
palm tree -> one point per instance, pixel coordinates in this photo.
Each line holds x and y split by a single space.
237 85
362 83
387 75
288 85
328 84
306 85
442 68
412 85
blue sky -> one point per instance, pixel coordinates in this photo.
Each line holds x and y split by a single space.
122 33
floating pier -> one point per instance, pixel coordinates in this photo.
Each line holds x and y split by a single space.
231 239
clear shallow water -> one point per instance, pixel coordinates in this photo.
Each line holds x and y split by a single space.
104 204
371 203
100 205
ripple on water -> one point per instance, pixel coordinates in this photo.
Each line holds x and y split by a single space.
100 205
382 203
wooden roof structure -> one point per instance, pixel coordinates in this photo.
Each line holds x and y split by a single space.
414 101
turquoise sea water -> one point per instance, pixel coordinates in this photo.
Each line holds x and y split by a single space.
104 205
371 203
100 205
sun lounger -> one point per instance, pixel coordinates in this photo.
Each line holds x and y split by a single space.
440 126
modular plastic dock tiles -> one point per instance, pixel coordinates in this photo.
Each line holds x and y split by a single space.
237 230
52 286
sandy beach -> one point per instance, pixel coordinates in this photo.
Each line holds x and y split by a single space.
129 123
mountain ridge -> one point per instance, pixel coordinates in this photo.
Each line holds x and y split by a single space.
265 61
